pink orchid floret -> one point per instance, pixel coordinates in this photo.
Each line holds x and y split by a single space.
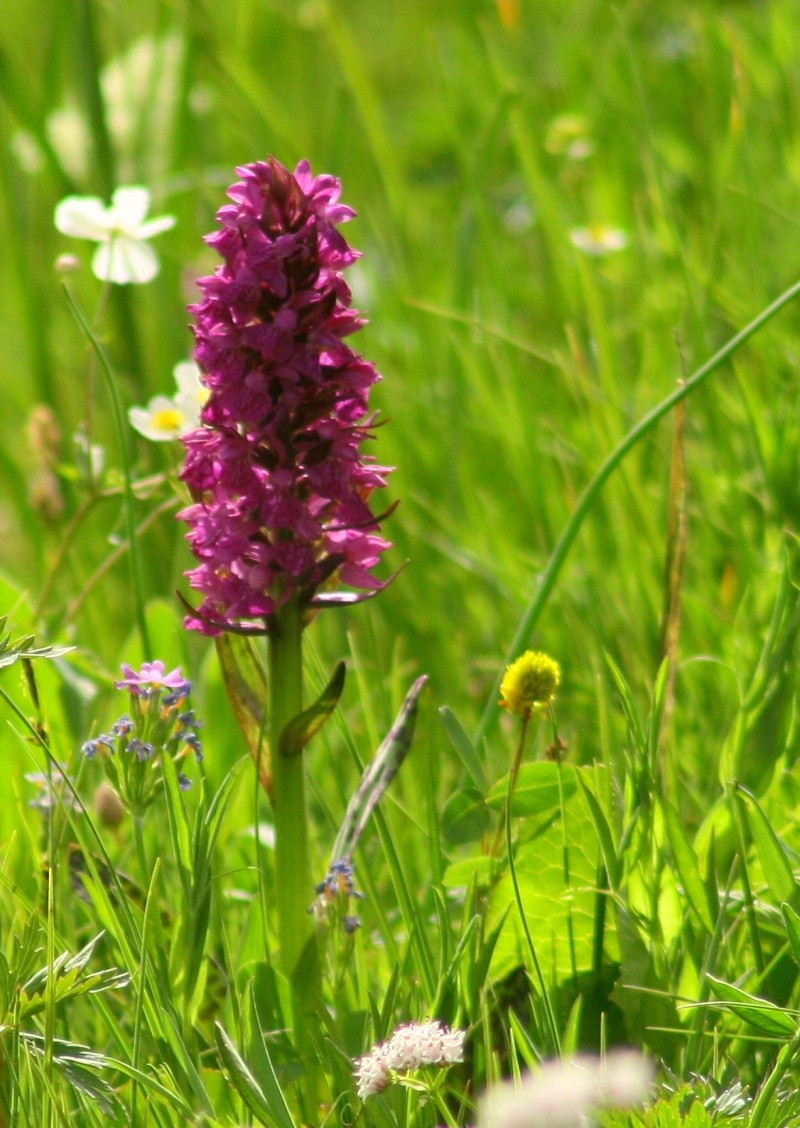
152 676
279 483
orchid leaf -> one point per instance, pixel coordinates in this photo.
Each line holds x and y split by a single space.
246 686
301 728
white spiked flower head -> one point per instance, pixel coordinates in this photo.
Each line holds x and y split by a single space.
410 1047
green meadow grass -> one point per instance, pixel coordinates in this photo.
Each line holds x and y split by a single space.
513 364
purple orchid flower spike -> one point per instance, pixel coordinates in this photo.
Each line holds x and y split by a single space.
279 482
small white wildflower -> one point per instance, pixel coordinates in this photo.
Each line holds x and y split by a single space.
562 1093
371 1074
625 1079
121 230
165 419
410 1047
598 239
191 394
161 421
568 135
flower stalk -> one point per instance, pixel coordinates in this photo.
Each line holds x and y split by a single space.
292 866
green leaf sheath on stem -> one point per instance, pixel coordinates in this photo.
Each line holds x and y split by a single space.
547 579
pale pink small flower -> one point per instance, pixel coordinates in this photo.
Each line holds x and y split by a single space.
411 1046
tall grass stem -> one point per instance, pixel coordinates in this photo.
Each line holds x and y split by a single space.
125 455
588 498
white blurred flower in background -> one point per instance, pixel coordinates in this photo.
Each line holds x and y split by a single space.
563 1094
121 230
141 97
598 239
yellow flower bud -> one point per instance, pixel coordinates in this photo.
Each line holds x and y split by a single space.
529 685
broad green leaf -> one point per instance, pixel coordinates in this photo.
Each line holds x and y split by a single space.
792 922
465 816
301 728
759 1013
465 749
777 868
555 908
246 686
462 872
686 864
537 789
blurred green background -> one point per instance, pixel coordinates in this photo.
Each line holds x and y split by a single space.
476 141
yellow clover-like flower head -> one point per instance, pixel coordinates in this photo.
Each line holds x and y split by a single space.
529 685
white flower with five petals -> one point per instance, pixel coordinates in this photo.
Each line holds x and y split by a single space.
165 419
121 230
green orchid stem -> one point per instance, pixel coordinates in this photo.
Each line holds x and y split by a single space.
295 889
298 957
548 577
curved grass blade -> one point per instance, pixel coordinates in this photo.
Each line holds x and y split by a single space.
547 578
759 1013
465 749
241 1078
